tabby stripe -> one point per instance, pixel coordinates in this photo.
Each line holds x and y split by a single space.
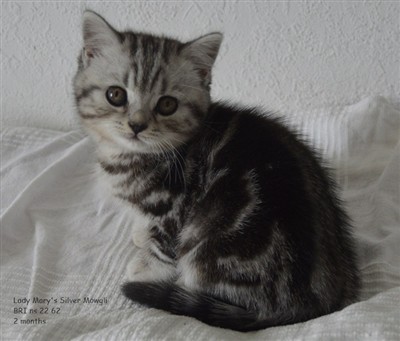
161 256
133 44
143 62
158 209
126 156
115 168
170 226
138 62
87 92
169 47
138 198
164 85
160 236
155 184
149 58
133 50
131 198
155 79
135 71
165 246
126 78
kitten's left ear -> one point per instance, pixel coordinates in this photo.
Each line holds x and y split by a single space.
203 52
98 36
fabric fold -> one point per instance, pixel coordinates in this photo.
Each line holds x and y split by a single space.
60 239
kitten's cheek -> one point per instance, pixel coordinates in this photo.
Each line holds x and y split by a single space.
96 127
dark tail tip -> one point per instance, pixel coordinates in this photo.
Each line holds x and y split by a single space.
154 295
177 300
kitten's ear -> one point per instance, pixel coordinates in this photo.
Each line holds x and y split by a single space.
203 52
98 35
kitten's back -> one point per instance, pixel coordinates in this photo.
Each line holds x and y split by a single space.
264 230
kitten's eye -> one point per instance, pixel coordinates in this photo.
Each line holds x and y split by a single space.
167 105
116 96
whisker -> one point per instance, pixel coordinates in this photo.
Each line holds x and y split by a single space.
180 159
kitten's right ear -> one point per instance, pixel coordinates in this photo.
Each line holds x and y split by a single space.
98 35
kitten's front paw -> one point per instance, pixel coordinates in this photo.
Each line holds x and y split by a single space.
140 238
144 267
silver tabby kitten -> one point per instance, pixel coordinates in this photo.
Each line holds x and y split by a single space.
237 222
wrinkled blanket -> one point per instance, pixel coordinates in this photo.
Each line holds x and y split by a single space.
64 249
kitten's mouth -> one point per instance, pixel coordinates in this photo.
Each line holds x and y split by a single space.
134 138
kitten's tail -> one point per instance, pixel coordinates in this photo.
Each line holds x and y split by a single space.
172 298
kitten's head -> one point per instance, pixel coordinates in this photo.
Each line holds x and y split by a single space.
141 93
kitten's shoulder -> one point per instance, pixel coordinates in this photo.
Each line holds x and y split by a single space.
247 116
253 126
253 137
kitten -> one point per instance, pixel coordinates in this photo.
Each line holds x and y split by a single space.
237 222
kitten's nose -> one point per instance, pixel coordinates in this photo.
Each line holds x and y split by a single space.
137 127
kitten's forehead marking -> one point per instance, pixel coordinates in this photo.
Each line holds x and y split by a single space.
126 78
149 58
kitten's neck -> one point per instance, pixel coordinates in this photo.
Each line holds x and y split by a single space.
132 176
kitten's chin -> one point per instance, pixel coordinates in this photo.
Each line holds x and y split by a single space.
136 145
140 144
121 145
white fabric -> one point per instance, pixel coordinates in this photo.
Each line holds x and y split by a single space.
59 239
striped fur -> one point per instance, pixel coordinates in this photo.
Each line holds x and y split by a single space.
236 220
